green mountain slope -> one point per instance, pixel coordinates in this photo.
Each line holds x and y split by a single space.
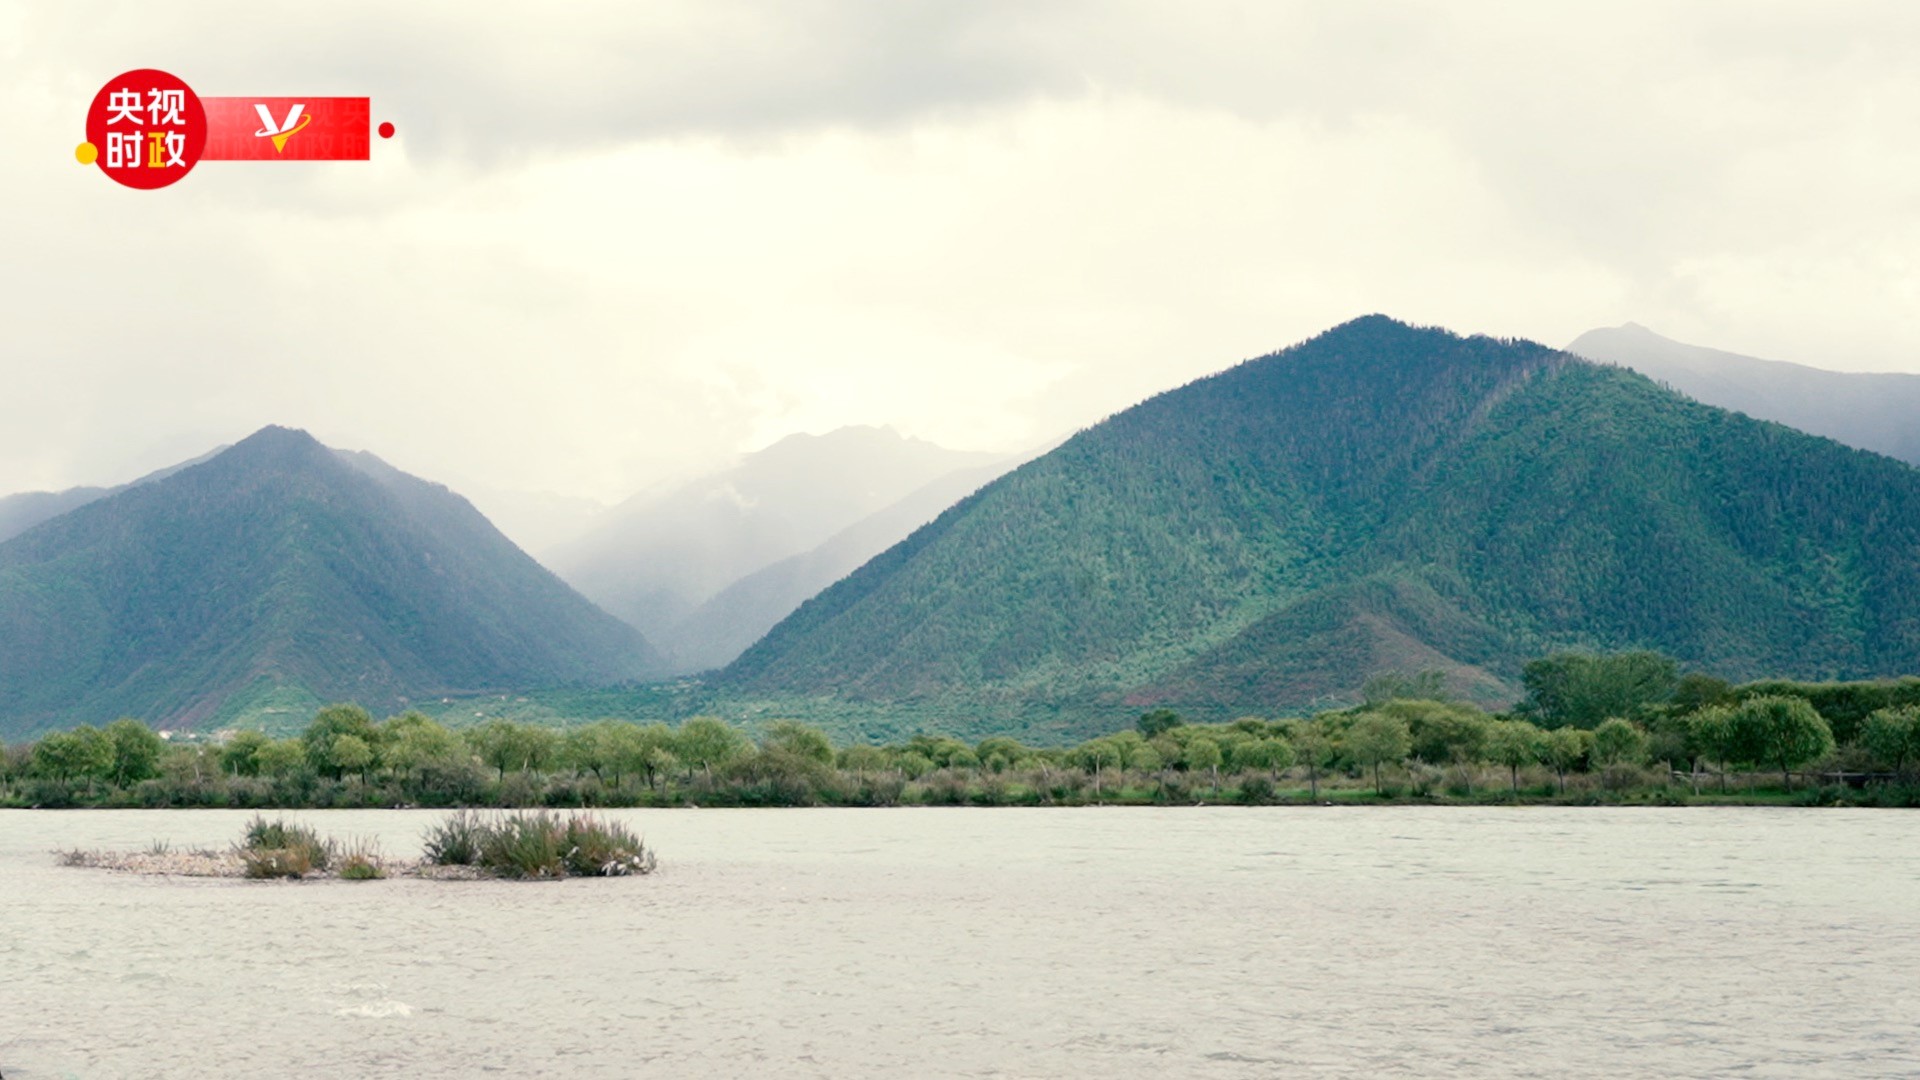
281 569
1379 498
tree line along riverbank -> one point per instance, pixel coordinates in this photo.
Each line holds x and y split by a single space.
1619 728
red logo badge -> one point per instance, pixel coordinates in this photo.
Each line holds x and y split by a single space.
147 129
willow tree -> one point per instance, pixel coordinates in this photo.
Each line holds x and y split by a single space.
1893 736
1788 732
1375 740
1513 743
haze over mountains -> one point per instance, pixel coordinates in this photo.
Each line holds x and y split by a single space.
658 558
280 570
1873 411
1379 498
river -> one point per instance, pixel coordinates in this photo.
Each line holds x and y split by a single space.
1111 942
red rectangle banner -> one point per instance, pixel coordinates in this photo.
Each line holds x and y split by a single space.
287 129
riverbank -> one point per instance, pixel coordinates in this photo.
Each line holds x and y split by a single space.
1458 786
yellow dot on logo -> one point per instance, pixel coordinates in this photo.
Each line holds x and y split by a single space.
85 153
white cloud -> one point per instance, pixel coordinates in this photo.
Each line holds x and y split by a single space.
614 245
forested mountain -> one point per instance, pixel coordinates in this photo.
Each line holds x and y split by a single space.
656 558
1879 412
282 568
1379 498
21 512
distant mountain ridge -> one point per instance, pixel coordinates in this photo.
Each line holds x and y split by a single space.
21 512
1872 411
1379 498
720 629
280 567
659 558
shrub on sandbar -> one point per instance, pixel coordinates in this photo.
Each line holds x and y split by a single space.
456 841
279 848
361 861
539 845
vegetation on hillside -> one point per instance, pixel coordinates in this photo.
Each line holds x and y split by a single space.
1594 727
1379 498
280 570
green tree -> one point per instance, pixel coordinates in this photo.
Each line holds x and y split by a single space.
281 758
645 751
1562 749
15 760
999 753
707 742
351 753
1574 689
237 754
660 762
328 727
1313 746
1697 690
136 751
1892 736
1097 756
1513 743
1273 753
81 754
1204 753
1619 742
1786 732
1157 722
1127 744
861 759
591 748
1442 733
417 744
913 765
506 745
1723 742
1376 739
1147 759
798 740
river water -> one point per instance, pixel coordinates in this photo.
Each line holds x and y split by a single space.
1115 942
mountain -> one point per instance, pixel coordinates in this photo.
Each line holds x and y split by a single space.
282 570
1871 411
18 513
21 512
720 629
656 558
1379 498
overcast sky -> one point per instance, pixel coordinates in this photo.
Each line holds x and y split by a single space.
624 243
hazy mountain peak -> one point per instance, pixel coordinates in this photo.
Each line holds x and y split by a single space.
659 555
274 437
1871 411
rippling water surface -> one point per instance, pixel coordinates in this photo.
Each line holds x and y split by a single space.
997 943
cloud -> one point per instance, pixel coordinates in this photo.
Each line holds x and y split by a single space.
616 243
